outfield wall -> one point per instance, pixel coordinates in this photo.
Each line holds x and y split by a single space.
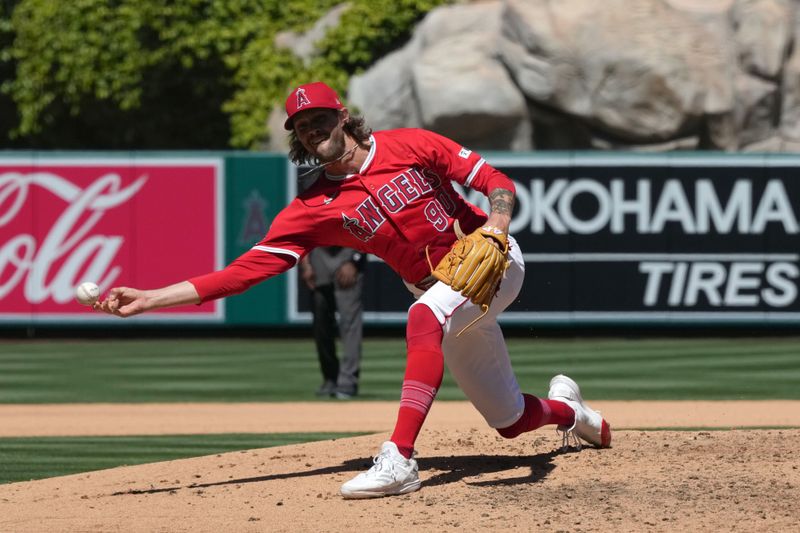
608 239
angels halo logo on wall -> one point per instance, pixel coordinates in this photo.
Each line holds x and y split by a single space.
116 221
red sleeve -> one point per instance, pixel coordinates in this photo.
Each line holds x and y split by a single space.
289 238
489 178
453 161
250 268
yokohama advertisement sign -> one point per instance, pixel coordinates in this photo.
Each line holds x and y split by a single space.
136 222
687 239
659 239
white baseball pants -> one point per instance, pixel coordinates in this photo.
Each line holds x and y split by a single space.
478 359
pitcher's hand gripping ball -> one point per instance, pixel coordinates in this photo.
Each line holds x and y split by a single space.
475 265
87 293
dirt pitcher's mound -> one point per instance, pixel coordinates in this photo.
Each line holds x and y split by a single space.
472 480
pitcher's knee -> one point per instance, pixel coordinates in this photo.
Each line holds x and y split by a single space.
423 329
511 432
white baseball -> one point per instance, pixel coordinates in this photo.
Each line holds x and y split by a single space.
87 293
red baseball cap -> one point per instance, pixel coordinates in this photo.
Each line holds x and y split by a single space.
310 96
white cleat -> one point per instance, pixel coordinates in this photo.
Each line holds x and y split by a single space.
589 425
390 475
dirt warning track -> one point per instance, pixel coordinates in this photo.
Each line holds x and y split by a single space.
192 418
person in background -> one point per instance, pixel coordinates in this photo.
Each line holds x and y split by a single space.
334 275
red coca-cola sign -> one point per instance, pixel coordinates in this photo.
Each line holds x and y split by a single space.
138 223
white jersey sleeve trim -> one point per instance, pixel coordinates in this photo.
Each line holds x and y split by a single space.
282 251
474 172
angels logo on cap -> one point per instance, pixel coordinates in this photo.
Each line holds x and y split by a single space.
310 96
302 99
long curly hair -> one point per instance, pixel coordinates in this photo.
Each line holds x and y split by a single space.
355 127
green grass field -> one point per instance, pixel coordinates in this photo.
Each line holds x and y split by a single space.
273 370
26 458
235 370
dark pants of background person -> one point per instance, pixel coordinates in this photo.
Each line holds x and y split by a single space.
326 300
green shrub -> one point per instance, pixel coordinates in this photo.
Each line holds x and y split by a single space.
190 74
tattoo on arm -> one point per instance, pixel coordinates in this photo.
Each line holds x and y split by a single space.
501 201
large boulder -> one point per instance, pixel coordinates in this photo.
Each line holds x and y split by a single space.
463 91
650 75
758 105
642 71
763 35
385 94
790 89
456 84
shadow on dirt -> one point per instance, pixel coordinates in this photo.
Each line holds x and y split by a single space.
457 468
451 469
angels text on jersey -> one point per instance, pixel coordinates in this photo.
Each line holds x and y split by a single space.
397 194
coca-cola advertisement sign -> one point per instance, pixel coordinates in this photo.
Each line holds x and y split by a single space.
137 223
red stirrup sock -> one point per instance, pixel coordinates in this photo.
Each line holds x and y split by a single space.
560 413
539 412
424 371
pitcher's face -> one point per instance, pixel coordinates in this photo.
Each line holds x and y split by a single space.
321 132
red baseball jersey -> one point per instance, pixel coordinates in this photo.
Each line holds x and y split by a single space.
400 203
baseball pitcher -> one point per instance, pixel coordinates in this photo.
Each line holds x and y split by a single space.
390 193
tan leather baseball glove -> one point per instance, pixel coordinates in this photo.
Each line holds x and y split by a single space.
475 264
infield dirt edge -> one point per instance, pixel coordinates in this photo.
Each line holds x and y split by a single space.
29 420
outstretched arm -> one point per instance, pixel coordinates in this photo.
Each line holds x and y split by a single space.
126 301
248 269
